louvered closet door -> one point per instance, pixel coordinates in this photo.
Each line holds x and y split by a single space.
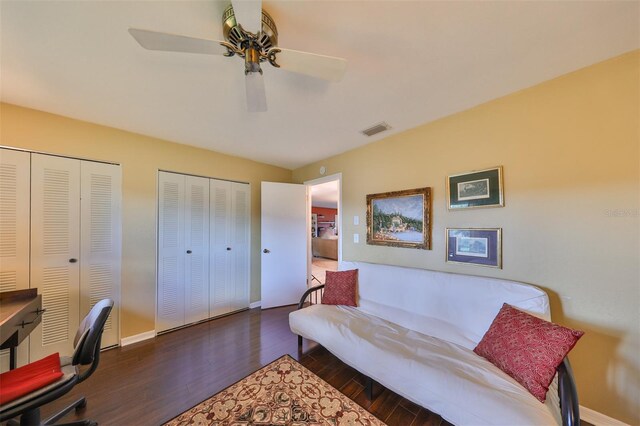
14 232
196 233
171 250
100 238
55 250
238 285
219 265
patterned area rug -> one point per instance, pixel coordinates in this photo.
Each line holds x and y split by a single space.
282 393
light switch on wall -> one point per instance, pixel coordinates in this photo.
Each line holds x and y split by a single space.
356 220
356 238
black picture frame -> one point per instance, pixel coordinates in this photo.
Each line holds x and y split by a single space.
475 246
480 188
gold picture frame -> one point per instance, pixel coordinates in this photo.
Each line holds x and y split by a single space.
400 219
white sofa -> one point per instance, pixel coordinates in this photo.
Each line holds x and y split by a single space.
414 332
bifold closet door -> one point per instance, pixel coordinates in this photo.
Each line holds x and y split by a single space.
239 237
220 282
183 250
196 233
55 252
15 200
171 251
100 241
229 266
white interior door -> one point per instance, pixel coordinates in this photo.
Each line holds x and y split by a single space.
55 251
197 249
239 237
100 242
15 175
170 251
219 265
284 243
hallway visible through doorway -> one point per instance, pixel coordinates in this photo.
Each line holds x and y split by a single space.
319 268
325 230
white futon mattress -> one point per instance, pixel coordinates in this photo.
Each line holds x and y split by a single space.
444 377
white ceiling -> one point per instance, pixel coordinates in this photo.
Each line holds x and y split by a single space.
409 63
325 195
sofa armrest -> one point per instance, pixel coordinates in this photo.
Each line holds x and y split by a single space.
569 406
310 293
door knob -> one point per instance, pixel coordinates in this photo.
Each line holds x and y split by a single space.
228 248
189 252
73 260
266 251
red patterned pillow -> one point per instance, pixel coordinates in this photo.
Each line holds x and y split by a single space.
527 348
340 288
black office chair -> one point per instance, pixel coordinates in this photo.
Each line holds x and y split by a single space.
86 354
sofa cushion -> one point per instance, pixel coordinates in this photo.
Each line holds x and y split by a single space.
340 288
410 296
527 348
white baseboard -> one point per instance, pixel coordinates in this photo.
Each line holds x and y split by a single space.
598 419
125 341
255 304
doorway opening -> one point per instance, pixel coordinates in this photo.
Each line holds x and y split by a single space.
325 227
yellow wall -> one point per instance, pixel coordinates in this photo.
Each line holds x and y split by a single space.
141 157
569 148
570 151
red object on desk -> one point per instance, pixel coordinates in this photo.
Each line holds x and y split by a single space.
28 378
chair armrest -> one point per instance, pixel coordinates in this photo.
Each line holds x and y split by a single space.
307 293
569 406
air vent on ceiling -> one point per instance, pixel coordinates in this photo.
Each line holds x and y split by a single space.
375 129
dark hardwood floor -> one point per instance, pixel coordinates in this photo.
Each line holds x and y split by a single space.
151 382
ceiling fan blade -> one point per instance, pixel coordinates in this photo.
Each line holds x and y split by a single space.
319 66
248 14
154 40
256 96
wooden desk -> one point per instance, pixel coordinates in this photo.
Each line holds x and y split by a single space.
20 313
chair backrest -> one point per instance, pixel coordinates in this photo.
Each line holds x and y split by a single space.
87 340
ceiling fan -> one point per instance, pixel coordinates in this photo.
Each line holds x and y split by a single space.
256 41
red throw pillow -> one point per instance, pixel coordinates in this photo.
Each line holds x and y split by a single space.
28 378
527 348
340 288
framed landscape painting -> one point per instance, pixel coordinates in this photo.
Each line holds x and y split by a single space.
476 246
400 218
481 188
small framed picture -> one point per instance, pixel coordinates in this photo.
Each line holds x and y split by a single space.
476 246
481 188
